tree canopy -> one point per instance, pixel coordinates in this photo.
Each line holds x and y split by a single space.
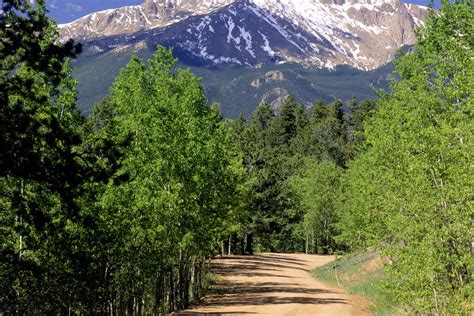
119 212
411 190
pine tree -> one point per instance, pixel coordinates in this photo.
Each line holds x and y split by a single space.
39 170
327 133
285 127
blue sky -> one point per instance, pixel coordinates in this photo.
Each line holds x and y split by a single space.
65 11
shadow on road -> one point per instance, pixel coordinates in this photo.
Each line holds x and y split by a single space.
260 262
263 290
208 314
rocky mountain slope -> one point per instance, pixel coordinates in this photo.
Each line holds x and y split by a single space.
238 89
323 33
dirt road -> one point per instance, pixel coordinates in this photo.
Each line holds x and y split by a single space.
275 284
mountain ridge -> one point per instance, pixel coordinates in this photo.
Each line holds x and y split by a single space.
362 34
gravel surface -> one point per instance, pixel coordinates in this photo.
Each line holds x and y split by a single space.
275 284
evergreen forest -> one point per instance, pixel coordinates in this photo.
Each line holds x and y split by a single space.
119 212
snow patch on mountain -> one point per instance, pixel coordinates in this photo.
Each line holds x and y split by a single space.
324 33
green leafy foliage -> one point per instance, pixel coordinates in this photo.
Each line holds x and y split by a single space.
175 189
317 189
411 191
294 160
40 173
119 212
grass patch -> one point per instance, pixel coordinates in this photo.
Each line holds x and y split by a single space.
360 273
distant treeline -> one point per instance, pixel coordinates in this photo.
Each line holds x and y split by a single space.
280 150
119 212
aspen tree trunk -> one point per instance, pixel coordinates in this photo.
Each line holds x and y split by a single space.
171 293
20 217
198 279
315 245
182 280
192 274
244 248
306 244
326 237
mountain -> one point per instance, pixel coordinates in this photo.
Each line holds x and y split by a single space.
236 88
149 15
250 51
319 33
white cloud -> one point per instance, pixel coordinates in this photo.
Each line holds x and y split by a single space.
73 7
52 5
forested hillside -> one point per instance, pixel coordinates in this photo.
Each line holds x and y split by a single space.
237 89
119 212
